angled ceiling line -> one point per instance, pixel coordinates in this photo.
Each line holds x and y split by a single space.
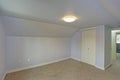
21 16
107 10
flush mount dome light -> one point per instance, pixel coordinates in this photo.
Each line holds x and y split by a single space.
69 18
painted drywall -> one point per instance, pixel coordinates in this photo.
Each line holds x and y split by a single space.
100 46
107 46
76 46
29 51
35 28
2 50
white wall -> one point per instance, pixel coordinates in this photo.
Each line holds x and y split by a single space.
76 46
2 50
100 46
28 51
103 46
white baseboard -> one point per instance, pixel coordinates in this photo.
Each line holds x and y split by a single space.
108 66
99 67
91 64
4 76
75 59
104 67
15 70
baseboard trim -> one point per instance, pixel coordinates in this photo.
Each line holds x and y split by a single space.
90 64
4 76
99 67
108 66
75 59
15 70
104 67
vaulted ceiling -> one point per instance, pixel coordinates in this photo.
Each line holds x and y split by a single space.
44 17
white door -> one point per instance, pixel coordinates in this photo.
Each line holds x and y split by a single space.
89 46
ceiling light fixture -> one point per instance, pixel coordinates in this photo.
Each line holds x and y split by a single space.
69 18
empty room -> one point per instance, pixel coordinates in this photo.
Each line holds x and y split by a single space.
59 39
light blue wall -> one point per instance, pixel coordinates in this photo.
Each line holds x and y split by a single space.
100 46
76 46
103 46
108 48
23 52
2 51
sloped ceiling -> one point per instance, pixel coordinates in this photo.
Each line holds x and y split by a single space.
43 17
23 27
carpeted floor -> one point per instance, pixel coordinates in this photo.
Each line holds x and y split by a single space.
67 70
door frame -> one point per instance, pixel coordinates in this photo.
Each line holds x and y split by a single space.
85 29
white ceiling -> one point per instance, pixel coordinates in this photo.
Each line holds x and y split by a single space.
89 13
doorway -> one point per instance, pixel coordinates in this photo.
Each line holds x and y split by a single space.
115 45
118 45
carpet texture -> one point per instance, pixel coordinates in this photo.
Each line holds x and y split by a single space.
67 70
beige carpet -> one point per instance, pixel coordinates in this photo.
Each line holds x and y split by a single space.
67 70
